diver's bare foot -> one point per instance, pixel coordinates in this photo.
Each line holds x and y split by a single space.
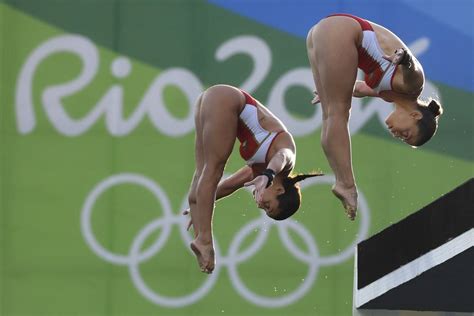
204 254
348 197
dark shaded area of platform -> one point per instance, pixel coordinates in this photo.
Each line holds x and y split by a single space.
435 224
446 287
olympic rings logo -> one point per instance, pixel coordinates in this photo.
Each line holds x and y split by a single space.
136 255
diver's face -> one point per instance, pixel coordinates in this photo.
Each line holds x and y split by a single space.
402 124
269 202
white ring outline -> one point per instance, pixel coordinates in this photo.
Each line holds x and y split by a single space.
86 215
150 294
134 258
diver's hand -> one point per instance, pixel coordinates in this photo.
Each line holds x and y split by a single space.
348 197
190 223
398 57
316 99
260 184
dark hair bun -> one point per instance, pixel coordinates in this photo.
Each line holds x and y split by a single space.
435 108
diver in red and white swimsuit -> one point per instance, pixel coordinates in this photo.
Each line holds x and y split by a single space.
337 46
255 141
379 71
224 114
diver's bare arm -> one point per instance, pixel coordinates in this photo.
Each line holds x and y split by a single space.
236 181
412 72
228 186
285 156
282 160
361 89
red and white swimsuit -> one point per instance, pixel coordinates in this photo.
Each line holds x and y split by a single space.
255 141
379 72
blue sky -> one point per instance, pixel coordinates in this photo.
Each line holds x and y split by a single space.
448 24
